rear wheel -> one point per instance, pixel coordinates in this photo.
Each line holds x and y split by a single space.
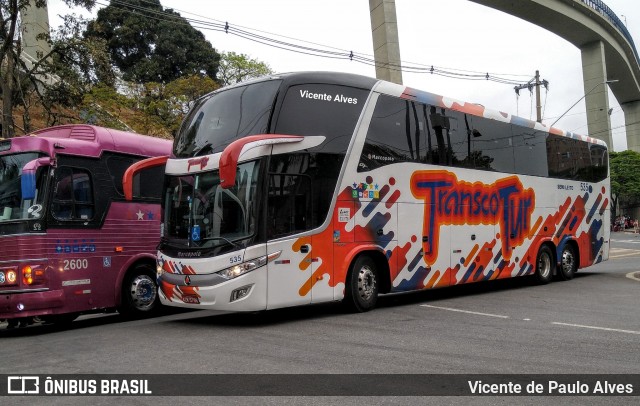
139 293
545 265
361 292
568 262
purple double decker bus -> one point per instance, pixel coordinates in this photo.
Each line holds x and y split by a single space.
70 241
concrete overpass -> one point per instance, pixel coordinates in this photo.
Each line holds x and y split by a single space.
608 53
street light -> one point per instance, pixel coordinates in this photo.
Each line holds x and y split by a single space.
606 82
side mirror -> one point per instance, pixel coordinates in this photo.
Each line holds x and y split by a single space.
28 178
135 169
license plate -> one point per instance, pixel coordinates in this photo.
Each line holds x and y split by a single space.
191 299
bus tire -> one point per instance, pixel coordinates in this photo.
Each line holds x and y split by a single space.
361 291
568 262
545 265
139 293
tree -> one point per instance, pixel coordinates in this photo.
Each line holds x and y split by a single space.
625 182
164 106
150 44
20 81
236 68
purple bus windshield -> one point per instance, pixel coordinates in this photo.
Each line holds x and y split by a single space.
12 205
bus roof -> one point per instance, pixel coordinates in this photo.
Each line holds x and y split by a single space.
89 140
392 89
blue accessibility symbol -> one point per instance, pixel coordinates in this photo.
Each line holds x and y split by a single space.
195 233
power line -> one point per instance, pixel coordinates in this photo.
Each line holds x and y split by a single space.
310 49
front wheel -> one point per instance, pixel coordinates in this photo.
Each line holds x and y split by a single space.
568 263
139 293
545 265
361 291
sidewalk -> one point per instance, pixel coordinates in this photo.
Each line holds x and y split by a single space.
627 231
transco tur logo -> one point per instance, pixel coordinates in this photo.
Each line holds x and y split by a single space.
450 202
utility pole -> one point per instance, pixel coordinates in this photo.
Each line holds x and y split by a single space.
529 85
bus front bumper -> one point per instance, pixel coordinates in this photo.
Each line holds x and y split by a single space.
29 303
245 293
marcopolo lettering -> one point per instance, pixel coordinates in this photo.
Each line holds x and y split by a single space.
452 202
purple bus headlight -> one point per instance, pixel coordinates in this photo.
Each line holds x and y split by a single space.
247 266
12 276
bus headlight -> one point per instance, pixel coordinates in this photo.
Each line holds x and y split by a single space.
247 266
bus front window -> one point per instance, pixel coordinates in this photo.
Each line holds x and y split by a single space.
12 206
198 212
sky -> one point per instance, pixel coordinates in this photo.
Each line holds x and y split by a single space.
453 35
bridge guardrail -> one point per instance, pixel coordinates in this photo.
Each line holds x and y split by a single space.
607 13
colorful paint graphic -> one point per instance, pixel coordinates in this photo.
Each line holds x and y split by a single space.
184 293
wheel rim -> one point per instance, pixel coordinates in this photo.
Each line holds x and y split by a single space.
366 283
143 292
544 265
568 261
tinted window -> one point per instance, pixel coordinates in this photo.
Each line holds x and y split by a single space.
575 160
529 151
222 117
117 165
73 194
490 142
406 131
394 134
319 109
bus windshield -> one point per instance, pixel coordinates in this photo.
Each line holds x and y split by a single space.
198 212
222 117
12 206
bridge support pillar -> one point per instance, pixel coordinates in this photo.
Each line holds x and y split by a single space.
594 75
386 43
632 124
35 23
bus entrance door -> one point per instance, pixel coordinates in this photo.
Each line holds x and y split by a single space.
289 207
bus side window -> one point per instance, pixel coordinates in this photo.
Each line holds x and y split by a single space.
394 134
117 165
73 194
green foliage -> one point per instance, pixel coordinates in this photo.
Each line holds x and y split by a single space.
130 69
27 81
625 177
236 68
147 108
150 44
625 174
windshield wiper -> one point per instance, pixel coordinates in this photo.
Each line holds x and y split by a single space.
200 151
228 241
